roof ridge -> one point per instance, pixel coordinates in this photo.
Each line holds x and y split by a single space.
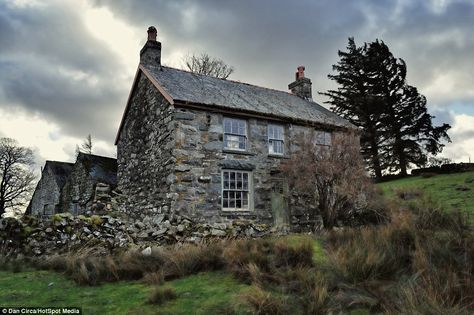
100 156
54 161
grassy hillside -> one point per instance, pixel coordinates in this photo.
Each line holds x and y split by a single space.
451 191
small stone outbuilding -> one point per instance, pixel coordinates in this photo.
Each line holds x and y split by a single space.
209 148
46 198
93 177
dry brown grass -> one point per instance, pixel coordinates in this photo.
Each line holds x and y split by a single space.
265 303
420 263
160 295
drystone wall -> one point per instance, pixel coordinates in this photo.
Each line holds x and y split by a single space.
65 233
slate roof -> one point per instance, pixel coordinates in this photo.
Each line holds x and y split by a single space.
60 170
184 86
101 169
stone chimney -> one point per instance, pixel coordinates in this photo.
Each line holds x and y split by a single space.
151 52
301 86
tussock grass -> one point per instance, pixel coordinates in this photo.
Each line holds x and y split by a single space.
265 303
419 263
160 295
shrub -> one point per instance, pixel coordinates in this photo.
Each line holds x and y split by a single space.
155 278
332 178
189 259
160 295
264 303
300 254
239 254
371 253
316 297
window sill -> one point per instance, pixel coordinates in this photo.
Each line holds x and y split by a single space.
279 156
238 212
238 152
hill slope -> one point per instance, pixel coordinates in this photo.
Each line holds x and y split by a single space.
451 191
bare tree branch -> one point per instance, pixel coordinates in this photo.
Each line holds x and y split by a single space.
207 65
16 176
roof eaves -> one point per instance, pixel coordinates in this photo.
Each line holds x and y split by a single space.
256 114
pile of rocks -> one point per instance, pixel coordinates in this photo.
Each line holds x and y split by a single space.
65 233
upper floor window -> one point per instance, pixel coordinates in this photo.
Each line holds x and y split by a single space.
235 134
323 138
276 138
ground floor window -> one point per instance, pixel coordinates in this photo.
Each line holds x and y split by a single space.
236 190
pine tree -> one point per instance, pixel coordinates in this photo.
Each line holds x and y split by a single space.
397 129
354 101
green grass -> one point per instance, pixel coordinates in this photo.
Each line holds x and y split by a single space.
204 293
319 256
443 189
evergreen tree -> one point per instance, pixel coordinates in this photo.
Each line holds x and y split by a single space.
354 101
397 129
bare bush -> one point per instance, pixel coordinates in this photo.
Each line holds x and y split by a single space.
331 177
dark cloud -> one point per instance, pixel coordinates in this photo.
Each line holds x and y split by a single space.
50 65
266 40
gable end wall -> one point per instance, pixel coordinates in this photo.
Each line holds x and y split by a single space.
144 152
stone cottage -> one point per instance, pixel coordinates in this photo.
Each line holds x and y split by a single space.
92 177
210 148
46 198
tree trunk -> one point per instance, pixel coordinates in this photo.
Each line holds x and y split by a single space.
402 162
2 208
376 162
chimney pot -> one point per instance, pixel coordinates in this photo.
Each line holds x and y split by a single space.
150 54
301 86
152 33
300 73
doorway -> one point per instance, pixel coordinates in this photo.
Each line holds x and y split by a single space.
279 203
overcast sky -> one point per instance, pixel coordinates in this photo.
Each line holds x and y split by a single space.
66 67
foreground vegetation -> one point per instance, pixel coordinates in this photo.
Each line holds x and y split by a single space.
421 262
418 261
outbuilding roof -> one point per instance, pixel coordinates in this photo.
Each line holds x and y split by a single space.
60 171
101 169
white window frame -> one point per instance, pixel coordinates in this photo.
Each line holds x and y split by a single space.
237 134
327 138
271 138
236 190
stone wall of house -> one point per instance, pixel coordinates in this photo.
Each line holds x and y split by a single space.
78 192
200 158
47 194
144 153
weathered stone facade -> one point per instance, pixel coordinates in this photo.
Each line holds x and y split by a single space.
171 152
144 152
46 198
